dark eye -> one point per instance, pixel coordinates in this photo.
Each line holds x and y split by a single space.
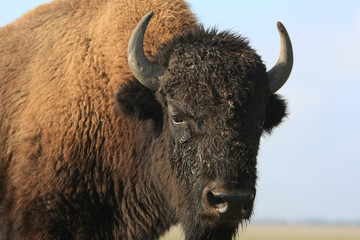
177 120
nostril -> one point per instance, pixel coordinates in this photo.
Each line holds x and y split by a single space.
214 200
230 203
227 202
217 202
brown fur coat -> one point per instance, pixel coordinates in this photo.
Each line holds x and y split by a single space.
60 66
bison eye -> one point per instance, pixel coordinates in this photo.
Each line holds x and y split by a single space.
177 120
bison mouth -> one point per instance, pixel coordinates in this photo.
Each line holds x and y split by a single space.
209 229
201 231
224 206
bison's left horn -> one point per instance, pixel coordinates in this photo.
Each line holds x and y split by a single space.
146 72
279 74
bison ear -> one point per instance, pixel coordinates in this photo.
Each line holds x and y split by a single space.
133 99
274 113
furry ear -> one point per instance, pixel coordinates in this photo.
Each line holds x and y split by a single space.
134 99
274 113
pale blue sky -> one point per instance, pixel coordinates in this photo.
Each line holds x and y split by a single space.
309 168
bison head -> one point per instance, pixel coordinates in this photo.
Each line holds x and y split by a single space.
211 99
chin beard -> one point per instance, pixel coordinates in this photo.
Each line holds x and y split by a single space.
201 231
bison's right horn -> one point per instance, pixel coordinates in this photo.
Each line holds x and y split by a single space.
146 72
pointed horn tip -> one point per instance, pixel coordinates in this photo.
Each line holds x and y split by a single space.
146 19
280 26
149 14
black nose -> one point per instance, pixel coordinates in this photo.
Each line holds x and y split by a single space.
229 201
231 205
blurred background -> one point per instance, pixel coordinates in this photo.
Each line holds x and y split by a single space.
309 168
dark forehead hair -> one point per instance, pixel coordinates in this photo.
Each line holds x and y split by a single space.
207 66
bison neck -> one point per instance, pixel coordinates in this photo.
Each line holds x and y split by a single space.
139 206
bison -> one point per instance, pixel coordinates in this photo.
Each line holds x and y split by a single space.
115 127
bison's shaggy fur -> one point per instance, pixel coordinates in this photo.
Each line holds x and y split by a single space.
78 163
60 66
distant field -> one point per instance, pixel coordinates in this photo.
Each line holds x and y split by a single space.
286 232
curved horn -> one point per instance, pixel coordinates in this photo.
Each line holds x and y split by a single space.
282 69
146 72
